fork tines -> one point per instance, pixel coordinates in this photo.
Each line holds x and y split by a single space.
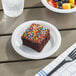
72 55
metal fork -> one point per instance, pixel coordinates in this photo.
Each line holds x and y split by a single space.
71 57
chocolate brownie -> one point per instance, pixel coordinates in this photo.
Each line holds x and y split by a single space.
36 36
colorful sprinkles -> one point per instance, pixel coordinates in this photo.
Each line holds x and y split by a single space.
35 33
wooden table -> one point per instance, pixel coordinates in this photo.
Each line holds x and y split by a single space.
12 64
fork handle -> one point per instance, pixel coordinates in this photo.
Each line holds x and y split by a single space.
57 67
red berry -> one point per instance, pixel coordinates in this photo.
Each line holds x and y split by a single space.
75 3
52 3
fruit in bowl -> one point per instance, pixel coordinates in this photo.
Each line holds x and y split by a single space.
62 4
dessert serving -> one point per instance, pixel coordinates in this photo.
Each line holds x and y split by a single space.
62 4
36 36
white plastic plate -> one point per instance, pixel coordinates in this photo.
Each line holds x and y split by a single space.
50 48
45 3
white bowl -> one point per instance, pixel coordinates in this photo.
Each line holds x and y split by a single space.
56 9
50 48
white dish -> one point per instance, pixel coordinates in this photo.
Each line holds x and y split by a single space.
56 9
50 48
